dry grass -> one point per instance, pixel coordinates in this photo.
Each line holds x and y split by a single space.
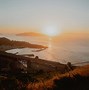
76 76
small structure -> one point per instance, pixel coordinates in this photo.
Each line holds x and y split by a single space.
69 65
36 57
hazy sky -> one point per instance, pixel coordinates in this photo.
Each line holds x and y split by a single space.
26 14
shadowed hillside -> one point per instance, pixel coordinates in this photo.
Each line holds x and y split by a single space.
40 74
6 44
14 75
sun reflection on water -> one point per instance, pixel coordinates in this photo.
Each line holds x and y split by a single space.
50 43
49 55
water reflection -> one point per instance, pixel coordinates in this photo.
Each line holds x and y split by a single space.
50 49
56 51
50 43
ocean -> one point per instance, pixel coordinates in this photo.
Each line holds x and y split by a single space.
74 51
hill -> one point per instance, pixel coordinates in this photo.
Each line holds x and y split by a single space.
6 44
14 75
31 64
78 79
40 74
30 34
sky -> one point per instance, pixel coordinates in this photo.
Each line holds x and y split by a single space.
26 15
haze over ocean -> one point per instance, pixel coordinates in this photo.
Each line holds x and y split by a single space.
75 51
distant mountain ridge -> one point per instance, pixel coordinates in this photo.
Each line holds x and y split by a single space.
30 34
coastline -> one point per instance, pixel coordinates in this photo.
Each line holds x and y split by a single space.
35 63
7 44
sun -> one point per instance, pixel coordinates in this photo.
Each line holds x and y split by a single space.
51 31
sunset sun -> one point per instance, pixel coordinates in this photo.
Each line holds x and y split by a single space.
51 31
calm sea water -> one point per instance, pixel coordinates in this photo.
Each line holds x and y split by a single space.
76 51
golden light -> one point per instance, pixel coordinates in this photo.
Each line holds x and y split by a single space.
51 31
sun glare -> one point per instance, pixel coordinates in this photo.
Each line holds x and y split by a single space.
51 31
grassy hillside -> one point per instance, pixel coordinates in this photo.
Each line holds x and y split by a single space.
40 74
15 76
77 79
